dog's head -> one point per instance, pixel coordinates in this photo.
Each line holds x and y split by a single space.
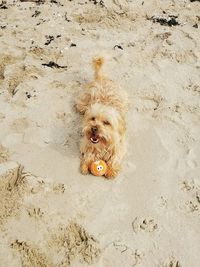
103 125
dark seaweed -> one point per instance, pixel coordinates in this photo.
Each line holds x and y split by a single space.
68 20
96 2
118 46
52 64
195 26
170 21
3 5
36 13
50 38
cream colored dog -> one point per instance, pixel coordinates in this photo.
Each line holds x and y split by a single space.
103 105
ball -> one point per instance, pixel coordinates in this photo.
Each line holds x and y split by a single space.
98 168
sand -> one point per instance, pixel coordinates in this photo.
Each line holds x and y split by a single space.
51 215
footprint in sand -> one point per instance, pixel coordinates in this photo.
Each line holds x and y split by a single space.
19 125
13 72
4 61
16 74
59 188
134 255
192 189
187 56
144 225
162 202
192 163
73 241
193 88
148 103
31 255
192 159
13 77
35 212
4 154
173 262
12 189
7 61
2 116
106 17
68 242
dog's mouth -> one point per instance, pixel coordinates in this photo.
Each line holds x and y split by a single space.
95 139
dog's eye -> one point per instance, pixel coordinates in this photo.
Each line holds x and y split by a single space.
106 123
93 118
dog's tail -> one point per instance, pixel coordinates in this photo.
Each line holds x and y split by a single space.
97 65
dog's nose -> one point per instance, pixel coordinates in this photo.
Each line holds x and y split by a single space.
94 129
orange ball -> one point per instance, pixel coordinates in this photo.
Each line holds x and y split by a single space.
98 168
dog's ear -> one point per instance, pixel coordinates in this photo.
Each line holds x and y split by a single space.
83 102
122 126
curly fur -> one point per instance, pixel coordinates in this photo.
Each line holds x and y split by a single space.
103 106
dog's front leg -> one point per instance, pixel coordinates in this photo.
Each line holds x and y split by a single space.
114 163
113 169
85 165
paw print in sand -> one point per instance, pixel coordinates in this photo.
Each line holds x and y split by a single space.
192 204
147 225
172 262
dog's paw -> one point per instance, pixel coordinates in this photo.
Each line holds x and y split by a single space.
111 172
84 169
79 109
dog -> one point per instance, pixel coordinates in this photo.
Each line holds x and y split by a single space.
103 106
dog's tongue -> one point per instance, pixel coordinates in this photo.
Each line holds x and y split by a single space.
94 139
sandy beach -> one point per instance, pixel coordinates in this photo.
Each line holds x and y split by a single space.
50 214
